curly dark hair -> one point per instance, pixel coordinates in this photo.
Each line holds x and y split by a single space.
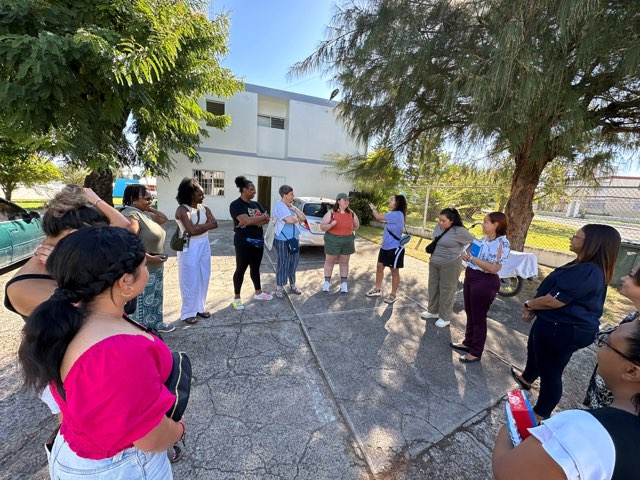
242 183
186 189
84 264
133 192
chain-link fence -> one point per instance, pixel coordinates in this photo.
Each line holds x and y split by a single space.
556 217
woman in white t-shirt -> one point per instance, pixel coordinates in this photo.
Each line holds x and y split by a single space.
586 444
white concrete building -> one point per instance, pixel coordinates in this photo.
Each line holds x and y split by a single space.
276 137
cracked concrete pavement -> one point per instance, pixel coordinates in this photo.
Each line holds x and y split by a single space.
315 386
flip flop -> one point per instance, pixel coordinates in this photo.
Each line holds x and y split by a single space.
191 320
175 454
204 314
523 385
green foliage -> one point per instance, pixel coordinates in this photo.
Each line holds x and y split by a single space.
85 73
539 81
359 203
20 165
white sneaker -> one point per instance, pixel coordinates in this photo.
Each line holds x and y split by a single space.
325 286
442 323
343 288
426 315
265 297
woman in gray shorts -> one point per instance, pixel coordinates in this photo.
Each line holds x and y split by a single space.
339 225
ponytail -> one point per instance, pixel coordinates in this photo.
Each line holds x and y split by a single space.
45 338
453 215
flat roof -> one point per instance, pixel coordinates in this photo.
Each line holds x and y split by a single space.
298 97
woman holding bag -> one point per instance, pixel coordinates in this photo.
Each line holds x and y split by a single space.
449 238
286 240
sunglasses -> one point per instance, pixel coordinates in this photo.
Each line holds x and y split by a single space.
602 339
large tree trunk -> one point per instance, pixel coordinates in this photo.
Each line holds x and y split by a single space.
102 184
8 191
520 204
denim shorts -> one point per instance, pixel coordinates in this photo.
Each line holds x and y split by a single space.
129 464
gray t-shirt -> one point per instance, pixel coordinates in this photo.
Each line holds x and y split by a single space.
450 246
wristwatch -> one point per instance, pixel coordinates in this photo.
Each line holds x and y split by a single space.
526 305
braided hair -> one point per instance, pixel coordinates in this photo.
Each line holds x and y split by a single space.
85 264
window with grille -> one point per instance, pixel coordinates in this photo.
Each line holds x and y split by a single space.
217 108
211 181
271 122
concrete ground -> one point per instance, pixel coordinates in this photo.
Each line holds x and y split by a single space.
316 386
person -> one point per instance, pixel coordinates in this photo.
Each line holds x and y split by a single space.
445 266
391 252
287 230
70 209
194 262
567 310
598 395
106 374
145 221
248 218
481 283
586 445
339 225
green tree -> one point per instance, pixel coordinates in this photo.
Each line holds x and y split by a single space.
20 165
87 73
537 80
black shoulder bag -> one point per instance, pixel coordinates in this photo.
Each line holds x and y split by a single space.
432 246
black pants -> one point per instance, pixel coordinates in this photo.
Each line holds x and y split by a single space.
247 256
549 349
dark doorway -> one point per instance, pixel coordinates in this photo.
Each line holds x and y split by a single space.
264 193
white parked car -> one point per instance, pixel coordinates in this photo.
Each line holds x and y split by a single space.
314 208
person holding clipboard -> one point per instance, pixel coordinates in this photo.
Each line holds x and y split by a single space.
484 259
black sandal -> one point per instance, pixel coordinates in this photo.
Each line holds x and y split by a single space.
191 320
204 314
175 454
523 385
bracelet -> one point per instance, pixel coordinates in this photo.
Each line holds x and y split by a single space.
95 204
184 432
526 306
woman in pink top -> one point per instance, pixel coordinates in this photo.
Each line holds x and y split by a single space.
106 374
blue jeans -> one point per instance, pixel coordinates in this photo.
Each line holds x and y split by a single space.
129 464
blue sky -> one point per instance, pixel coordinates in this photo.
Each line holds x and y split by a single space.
268 36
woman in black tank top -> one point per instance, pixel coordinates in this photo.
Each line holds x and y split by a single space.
603 443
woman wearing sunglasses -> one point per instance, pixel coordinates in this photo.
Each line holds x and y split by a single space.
567 310
598 394
586 444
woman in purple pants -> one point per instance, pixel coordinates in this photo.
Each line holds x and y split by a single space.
481 283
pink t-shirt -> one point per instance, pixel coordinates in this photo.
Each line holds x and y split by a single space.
115 395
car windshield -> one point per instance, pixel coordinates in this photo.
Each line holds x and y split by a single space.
316 209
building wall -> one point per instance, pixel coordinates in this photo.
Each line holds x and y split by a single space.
299 155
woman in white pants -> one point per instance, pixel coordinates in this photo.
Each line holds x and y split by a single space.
194 261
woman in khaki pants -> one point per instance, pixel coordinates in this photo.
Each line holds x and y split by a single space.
445 266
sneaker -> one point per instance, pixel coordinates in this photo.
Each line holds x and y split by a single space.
265 297
237 304
373 293
426 315
343 287
164 328
325 286
279 293
442 323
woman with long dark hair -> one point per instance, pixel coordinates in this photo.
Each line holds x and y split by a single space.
145 222
586 444
391 252
567 310
106 374
484 260
194 262
450 237
248 218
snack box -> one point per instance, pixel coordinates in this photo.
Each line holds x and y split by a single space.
520 416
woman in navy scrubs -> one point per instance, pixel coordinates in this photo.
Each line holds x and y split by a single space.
567 308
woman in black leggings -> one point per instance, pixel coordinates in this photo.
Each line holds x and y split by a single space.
248 217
